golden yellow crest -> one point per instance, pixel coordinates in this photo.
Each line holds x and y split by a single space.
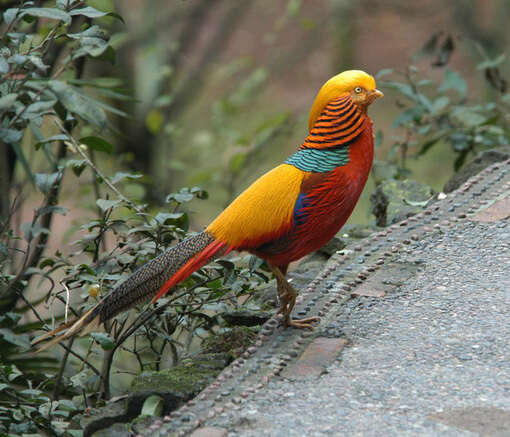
340 84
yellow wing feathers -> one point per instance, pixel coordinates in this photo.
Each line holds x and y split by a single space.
262 212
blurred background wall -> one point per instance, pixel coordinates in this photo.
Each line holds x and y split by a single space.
223 87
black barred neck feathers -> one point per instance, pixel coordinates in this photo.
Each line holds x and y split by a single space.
340 123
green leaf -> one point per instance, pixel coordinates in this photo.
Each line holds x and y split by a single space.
110 108
105 204
109 55
468 116
4 65
93 41
100 82
84 379
408 115
91 12
15 339
439 104
48 262
10 136
78 103
36 230
10 15
153 406
115 15
38 62
228 265
254 262
45 181
66 404
53 209
96 143
104 340
199 193
12 373
88 11
179 197
453 80
491 63
7 101
163 217
383 72
460 141
86 268
51 13
77 165
40 107
60 137
402 88
154 121
30 392
119 176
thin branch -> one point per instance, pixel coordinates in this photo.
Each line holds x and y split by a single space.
60 374
96 170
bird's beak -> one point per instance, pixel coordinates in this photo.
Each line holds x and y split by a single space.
372 95
376 93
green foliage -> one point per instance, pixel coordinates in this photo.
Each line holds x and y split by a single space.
30 89
26 411
447 113
53 129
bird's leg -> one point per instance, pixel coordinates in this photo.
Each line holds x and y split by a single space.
288 295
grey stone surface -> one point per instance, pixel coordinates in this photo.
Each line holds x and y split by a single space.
394 273
431 358
481 161
247 317
395 200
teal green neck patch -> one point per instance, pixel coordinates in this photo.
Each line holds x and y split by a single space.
319 160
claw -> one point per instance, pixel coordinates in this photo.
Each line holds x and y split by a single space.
288 296
302 323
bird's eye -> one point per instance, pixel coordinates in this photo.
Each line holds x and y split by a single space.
357 90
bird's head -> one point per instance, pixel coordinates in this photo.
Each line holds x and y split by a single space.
358 84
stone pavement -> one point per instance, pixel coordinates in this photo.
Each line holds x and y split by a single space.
414 338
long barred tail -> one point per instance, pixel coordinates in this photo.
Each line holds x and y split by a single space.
151 281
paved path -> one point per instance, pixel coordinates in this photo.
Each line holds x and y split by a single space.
414 338
431 358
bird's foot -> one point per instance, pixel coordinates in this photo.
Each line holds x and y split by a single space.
288 296
302 323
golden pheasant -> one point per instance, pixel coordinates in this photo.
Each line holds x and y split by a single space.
287 213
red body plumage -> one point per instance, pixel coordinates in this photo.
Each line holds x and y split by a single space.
335 195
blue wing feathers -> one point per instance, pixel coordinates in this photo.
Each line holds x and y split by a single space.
300 215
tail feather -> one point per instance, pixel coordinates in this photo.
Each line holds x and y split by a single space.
89 321
191 266
156 277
